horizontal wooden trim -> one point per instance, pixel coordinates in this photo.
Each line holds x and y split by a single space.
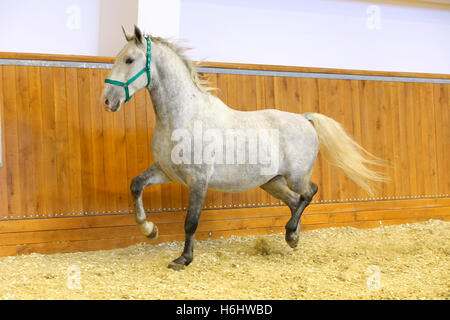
171 225
435 4
55 57
212 64
107 244
116 243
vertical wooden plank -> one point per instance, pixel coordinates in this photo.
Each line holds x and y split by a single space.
357 126
100 194
411 129
403 116
428 138
394 156
260 93
86 143
420 158
49 139
389 142
280 92
442 142
446 121
62 204
442 96
11 147
377 127
269 92
3 171
74 142
38 181
25 135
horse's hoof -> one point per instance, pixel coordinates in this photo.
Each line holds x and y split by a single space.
154 234
176 266
292 239
180 263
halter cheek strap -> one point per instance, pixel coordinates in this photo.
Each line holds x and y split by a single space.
144 70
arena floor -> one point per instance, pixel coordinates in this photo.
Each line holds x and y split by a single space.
395 262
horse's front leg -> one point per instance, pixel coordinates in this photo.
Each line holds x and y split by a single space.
152 176
197 194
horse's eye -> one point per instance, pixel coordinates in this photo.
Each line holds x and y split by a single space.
129 61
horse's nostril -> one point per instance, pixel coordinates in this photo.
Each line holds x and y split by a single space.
107 102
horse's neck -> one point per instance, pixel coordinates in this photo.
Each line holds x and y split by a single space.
174 96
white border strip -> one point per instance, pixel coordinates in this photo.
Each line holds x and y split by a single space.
249 72
52 63
318 75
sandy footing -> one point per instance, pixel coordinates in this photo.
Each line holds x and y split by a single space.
397 262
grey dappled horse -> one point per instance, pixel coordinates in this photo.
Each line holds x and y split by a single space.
182 105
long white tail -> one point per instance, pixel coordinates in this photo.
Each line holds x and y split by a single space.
344 152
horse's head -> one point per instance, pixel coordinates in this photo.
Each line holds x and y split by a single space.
130 73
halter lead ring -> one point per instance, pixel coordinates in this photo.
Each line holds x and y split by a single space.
146 69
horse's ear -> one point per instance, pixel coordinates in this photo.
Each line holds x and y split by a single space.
138 35
127 35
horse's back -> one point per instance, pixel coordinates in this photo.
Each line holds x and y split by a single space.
297 146
294 129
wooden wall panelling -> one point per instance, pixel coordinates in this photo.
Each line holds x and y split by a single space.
65 156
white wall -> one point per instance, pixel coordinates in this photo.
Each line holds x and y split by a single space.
112 16
49 26
160 18
322 33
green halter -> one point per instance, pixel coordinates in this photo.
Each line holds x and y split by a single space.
146 69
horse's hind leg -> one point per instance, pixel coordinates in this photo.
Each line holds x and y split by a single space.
307 189
293 225
278 188
152 176
297 202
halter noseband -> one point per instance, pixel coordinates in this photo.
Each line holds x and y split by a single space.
146 69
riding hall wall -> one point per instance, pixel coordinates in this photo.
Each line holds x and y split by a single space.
67 164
